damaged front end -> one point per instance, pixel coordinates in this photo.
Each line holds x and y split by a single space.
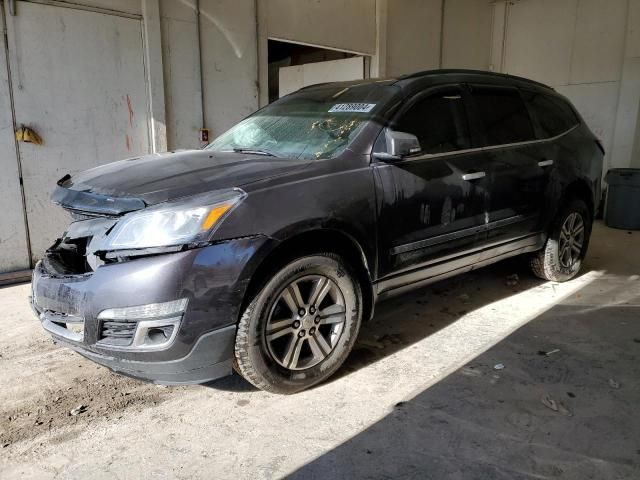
145 290
108 229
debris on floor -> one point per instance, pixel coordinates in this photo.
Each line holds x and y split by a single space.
550 352
498 366
559 407
512 280
614 384
78 410
464 298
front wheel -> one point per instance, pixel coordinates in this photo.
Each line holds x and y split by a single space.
300 327
561 258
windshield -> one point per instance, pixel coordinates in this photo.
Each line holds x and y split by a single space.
308 125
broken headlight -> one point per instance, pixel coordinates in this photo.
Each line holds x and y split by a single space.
186 221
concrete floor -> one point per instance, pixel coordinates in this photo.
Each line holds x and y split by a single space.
419 397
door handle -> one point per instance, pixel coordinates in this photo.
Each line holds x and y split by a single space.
473 176
545 163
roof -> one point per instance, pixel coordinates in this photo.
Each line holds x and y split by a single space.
478 73
434 75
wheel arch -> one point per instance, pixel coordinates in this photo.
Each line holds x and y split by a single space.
580 189
317 240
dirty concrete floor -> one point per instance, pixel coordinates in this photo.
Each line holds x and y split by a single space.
419 397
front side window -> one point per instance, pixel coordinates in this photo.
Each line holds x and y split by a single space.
503 115
554 115
439 121
308 125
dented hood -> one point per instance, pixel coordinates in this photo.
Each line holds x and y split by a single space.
132 184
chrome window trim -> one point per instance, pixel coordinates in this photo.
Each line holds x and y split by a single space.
430 156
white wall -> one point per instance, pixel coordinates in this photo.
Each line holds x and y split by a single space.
340 24
413 36
13 243
183 97
467 34
230 62
587 50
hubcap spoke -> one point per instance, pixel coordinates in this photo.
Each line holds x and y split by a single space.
292 298
320 290
276 325
578 228
316 351
326 348
280 333
332 314
293 352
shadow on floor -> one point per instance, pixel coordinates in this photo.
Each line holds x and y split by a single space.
402 321
564 406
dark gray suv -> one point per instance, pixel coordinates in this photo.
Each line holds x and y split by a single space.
265 250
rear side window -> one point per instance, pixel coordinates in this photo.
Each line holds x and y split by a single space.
439 121
553 114
503 115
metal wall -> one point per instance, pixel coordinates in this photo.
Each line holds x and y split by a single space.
77 78
13 237
588 49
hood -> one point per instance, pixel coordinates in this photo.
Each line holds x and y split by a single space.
157 178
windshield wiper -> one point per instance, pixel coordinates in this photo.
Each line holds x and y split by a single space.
254 151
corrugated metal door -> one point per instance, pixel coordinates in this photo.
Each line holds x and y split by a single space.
78 80
13 236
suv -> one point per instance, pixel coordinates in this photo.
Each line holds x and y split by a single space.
265 250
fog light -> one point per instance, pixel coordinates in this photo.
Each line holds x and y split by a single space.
155 334
157 324
159 335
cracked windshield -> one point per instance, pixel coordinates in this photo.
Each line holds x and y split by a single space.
310 125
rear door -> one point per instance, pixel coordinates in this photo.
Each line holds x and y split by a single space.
519 164
553 118
434 203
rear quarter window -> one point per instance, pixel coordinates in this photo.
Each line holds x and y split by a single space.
554 115
502 114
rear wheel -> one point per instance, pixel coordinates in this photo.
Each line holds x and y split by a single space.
300 327
561 258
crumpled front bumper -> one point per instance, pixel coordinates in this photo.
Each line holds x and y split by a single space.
213 278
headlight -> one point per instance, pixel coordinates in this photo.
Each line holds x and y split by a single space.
191 220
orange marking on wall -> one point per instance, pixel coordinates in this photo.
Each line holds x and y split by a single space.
130 108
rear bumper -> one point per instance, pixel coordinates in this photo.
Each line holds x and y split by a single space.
212 278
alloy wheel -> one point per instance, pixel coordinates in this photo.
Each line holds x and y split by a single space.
305 322
571 240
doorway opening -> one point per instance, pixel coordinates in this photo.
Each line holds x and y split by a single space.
293 66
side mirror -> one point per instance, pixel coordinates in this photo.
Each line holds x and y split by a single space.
399 145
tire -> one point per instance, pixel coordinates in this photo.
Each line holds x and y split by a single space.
279 350
552 262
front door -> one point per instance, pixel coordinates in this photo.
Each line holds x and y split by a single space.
78 81
433 206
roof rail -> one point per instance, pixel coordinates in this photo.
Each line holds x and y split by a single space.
426 73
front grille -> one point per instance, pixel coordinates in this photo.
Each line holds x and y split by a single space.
117 333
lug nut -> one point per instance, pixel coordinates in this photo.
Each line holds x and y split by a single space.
301 333
317 320
312 310
312 330
296 324
301 312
